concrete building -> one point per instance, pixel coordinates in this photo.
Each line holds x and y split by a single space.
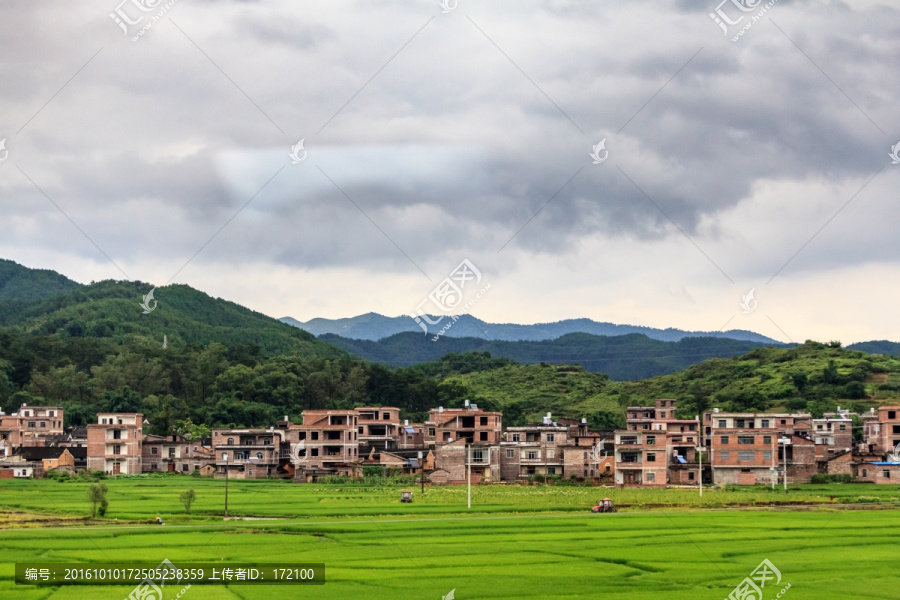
656 448
881 430
249 453
114 443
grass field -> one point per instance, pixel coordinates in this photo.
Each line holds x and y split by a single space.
516 542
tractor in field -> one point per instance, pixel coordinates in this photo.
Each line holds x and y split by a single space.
604 506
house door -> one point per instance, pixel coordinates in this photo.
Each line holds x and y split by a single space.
630 477
117 468
171 467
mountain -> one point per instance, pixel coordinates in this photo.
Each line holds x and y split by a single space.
877 347
372 326
45 303
20 285
622 357
813 377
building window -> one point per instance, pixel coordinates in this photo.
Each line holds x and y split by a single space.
31 424
231 441
746 440
314 435
532 455
746 456
551 437
651 457
651 476
117 449
483 436
184 468
662 414
43 424
516 437
259 455
510 454
483 421
314 452
764 423
865 473
767 440
551 471
250 472
385 416
651 440
784 421
886 474
690 475
722 423
551 452
723 439
724 456
843 427
892 414
767 455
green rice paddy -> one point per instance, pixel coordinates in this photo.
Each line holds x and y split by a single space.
515 542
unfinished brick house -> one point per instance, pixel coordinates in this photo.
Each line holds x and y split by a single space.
472 424
174 454
832 434
533 450
30 426
454 459
656 448
114 443
881 430
751 448
379 427
250 453
330 444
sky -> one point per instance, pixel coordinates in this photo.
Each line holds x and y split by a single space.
632 162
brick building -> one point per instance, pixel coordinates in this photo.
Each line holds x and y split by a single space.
114 443
472 424
327 443
379 427
249 453
30 426
174 454
532 450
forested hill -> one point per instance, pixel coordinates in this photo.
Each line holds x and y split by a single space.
20 285
112 309
621 357
813 378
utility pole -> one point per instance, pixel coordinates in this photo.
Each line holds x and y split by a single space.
700 470
422 469
784 452
774 465
469 476
225 455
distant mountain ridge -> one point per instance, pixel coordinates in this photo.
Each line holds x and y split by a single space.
374 327
621 357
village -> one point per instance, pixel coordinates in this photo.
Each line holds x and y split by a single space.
456 445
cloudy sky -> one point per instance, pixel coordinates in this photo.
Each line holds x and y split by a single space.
158 148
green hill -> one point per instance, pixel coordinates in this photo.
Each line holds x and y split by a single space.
112 309
621 357
813 377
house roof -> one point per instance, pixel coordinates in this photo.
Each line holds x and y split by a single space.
40 452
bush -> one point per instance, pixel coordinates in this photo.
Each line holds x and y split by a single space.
821 478
96 495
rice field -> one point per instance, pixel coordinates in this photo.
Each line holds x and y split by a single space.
515 542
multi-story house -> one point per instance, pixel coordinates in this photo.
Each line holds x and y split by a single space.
833 434
114 443
379 427
30 427
475 426
533 450
174 454
882 430
751 448
457 461
327 443
250 453
656 448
